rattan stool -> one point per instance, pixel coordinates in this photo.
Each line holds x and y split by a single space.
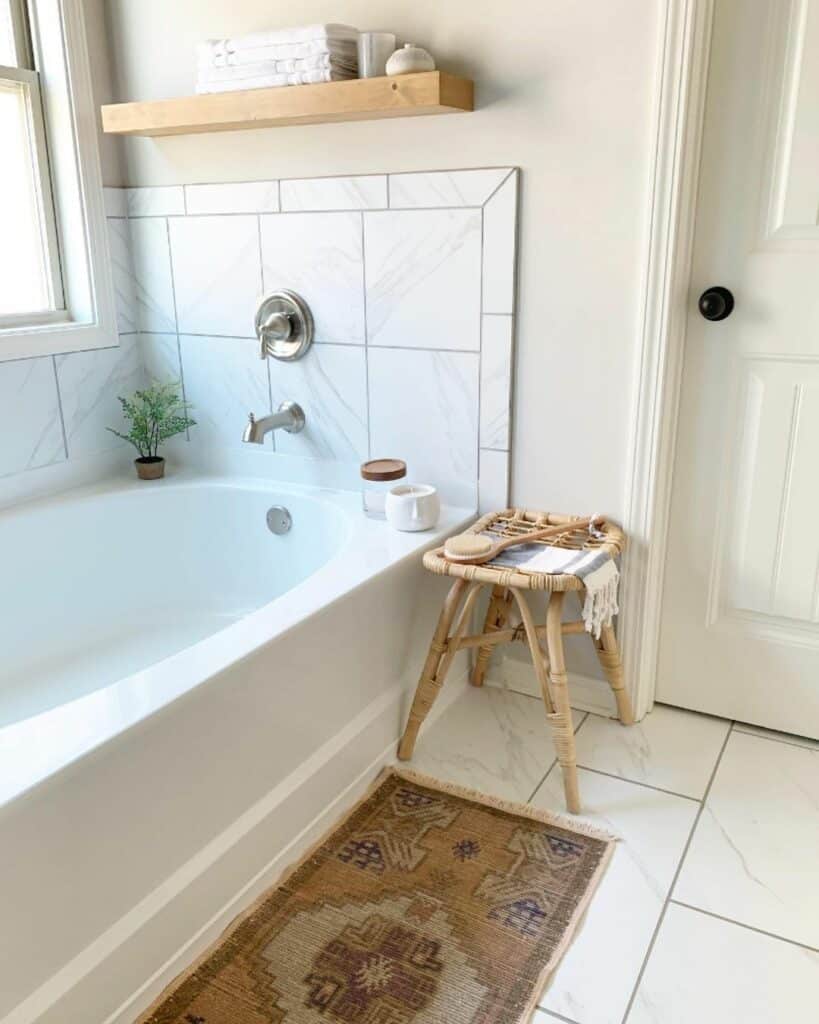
508 591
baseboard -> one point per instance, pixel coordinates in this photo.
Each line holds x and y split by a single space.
106 983
585 692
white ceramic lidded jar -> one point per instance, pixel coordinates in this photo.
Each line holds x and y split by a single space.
409 60
378 476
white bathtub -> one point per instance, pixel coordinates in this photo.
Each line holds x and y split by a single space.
181 693
109 582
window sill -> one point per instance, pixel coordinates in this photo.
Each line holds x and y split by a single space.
54 339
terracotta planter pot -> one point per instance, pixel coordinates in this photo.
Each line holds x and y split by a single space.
151 467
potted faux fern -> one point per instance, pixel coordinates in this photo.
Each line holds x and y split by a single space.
155 414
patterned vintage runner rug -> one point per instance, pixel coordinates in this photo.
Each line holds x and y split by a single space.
428 904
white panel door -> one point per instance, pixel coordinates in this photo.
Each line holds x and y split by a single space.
740 624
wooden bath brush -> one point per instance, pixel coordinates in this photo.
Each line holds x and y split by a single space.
476 549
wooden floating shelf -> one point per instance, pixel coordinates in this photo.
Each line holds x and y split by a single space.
360 99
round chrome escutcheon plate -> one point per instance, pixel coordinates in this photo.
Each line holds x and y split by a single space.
284 326
279 519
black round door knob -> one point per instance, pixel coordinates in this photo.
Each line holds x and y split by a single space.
716 303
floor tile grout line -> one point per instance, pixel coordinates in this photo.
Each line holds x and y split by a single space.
557 1016
533 794
683 855
582 722
554 761
747 927
772 739
635 782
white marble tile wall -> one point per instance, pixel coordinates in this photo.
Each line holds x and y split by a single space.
55 408
410 278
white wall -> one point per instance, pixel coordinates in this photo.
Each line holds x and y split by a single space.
565 91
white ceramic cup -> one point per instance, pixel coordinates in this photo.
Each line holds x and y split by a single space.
412 507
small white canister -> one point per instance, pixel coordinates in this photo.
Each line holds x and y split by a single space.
412 507
410 59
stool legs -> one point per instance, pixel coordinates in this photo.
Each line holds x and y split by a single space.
432 678
550 671
608 652
555 690
562 726
496 615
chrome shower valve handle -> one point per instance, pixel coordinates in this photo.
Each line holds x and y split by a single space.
284 326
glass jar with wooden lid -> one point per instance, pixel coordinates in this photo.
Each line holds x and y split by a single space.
378 476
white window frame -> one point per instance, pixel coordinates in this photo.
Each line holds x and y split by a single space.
68 147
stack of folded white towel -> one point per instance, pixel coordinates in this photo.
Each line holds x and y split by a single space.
294 56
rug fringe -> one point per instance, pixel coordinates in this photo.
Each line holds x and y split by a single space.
542 816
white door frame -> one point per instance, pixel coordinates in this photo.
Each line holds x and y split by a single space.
682 79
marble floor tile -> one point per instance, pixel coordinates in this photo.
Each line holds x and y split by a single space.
671 749
492 740
754 854
709 971
594 982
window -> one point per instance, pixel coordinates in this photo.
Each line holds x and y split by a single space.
30 283
55 280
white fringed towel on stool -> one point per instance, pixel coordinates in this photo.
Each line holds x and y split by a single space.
595 567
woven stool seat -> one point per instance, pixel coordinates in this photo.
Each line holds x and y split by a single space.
508 587
517 522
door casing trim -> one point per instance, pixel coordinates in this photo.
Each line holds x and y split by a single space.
679 117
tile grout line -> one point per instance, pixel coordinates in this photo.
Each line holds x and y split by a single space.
635 782
60 412
366 332
337 344
747 927
498 187
554 760
288 212
683 855
556 1016
175 321
328 177
273 444
534 792
773 739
